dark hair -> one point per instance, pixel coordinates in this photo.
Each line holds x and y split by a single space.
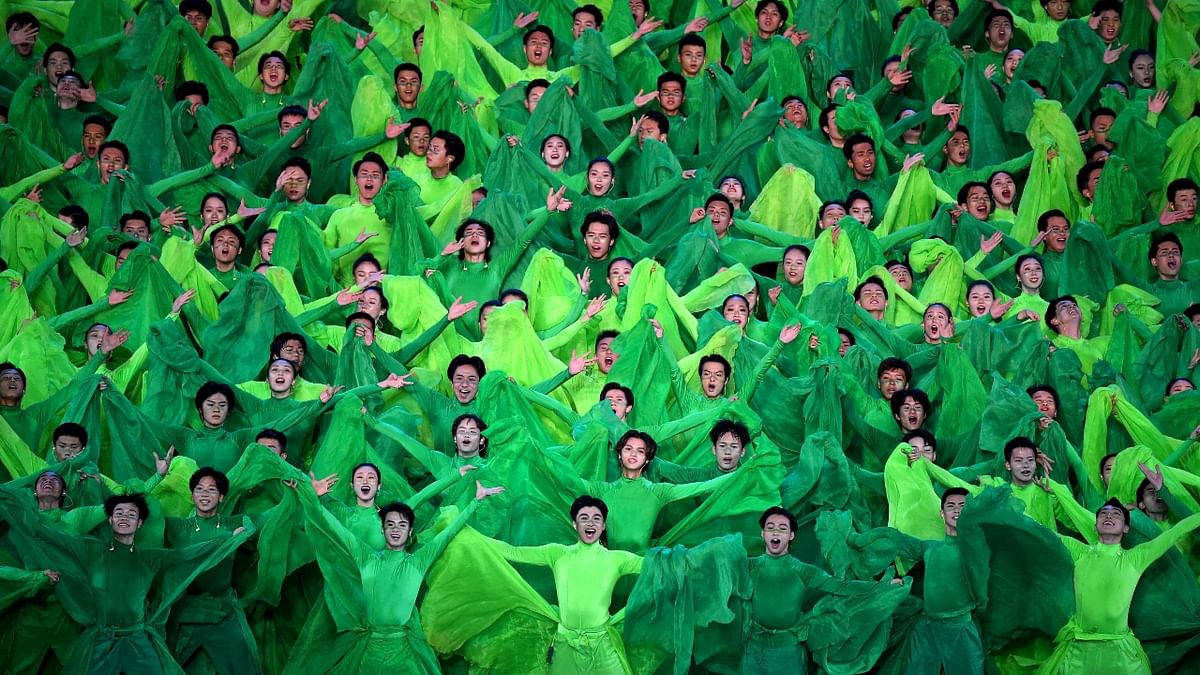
1027 256
138 500
100 121
21 18
488 231
616 386
1178 184
300 163
997 14
191 88
965 190
464 360
856 139
1104 460
604 335
417 34
1100 7
605 218
68 429
210 388
479 423
218 477
590 9
664 126
283 338
291 111
922 434
237 138
823 118
534 84
514 292
1018 442
383 301
899 18
1192 311
127 246
1049 389
608 270
1052 308
262 61
369 465
58 47
539 28
672 77
870 280
848 335
1043 220
360 316
584 501
798 247
893 363
201 6
366 258
691 40
136 214
277 436
417 122
954 492
918 396
411 67
406 513
229 227
114 145
1141 491
612 168
783 10
562 138
1160 239
777 511
651 444
723 427
1114 502
373 158
455 146
719 197
227 39
856 195
715 358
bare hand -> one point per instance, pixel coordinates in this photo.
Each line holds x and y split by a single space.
595 307
163 465
73 161
112 340
643 98
789 334
314 111
172 216
577 363
989 244
585 280
453 247
116 297
1155 477
524 20
556 202
298 25
481 492
1158 102
324 485
459 309
395 381
329 392
183 299
76 237
773 294
393 130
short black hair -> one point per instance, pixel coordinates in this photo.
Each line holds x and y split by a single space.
229 227
715 358
114 145
69 429
136 214
417 123
651 444
1052 309
783 10
201 6
920 397
1049 389
954 492
929 438
584 501
734 427
411 67
539 28
373 158
590 9
100 121
488 231
275 54
777 511
616 386
21 19
1102 6
1114 503
856 139
691 40
1165 238
58 47
605 334
218 477
894 363
1043 221
138 500
664 125
534 84
870 280
406 513
672 77
285 337
227 39
291 111
454 146
1175 186
1101 111
604 217
997 14
299 163
965 190
1019 442
210 388
275 435
191 88
464 360
719 197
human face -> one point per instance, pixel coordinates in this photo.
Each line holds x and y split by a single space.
214 410
951 510
225 140
618 276
902 276
794 264
365 482
1058 231
111 159
293 350
1066 315
67 91
979 202
265 8
832 215
911 136
122 257
1057 9
57 63
892 381
224 51
1141 71
465 382
364 270
777 535
438 159
736 310
599 179
197 21
1106 470
958 148
273 75
605 356
691 60
290 122
50 485
408 87
999 33
1179 386
225 247
598 241
581 22
912 414
1045 404
267 246
1185 202
1022 466
370 179
980 300
125 520
213 211
649 130
872 298
729 452
670 98
718 213
831 127
1166 260
67 447
273 445
137 228
638 9
372 304
468 440
837 84
538 49
280 378
531 99
633 455
860 210
713 379
554 152
942 12
1011 61
206 496
1101 125
475 240
93 136
1004 190
1111 521
619 403
1151 503
396 530
922 450
769 20
1110 26
1030 276
418 140
589 525
796 113
843 344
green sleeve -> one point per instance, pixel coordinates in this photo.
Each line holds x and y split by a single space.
674 493
760 372
509 73
1070 512
940 475
432 490
1145 554
61 322
1179 453
775 237
572 316
12 192
429 551
1077 549
549 385
180 179
616 112
38 273
412 349
437 464
618 152
684 424
546 554
98 45
328 533
562 412
506 260
258 34
1174 504
124 374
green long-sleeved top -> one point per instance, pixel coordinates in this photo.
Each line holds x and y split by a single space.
780 585
634 505
947 594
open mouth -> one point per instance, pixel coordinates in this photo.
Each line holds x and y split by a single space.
364 489
775 542
913 420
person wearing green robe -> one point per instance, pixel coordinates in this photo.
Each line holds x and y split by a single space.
208 628
1097 637
372 593
105 583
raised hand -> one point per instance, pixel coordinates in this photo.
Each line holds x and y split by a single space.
453 247
999 309
87 94
361 41
773 294
35 194
395 381
637 123
482 492
578 362
314 111
1158 102
555 200
649 25
697 215
1155 477
346 297
941 108
183 299
466 468
298 25
747 48
789 334
643 98
171 217
73 161
163 465
23 34
76 237
524 19
1169 217
900 78
459 309
112 340
658 329
324 485
364 235
364 332
585 280
595 307
116 297
912 160
52 575
989 244
1111 55
248 212
989 71
393 130
696 25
